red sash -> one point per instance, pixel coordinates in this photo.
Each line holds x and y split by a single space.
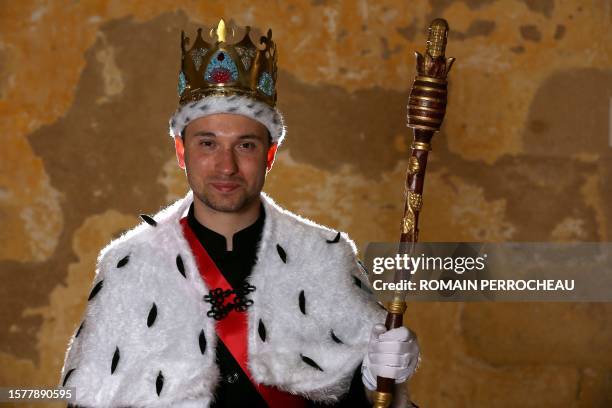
232 330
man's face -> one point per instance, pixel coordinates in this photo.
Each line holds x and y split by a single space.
226 158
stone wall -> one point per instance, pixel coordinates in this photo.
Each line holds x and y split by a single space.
86 89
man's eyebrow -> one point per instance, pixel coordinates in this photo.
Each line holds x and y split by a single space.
204 133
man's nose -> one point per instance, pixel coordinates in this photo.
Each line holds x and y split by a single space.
226 162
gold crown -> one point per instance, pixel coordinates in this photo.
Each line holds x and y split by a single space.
228 69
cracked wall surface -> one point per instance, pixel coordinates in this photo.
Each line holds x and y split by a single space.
86 90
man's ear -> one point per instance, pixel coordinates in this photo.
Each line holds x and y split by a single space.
179 147
271 155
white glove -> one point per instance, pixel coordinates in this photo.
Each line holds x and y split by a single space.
391 354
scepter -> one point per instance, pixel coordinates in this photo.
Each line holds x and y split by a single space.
426 109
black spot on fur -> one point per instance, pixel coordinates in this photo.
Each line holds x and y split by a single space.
152 315
361 284
172 123
148 219
180 265
159 383
115 361
203 107
193 104
274 120
363 267
335 240
261 329
335 338
187 119
232 98
232 109
310 362
302 302
95 290
250 105
258 113
79 330
281 253
123 261
379 304
202 341
68 374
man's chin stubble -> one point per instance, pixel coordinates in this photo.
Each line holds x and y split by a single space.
240 205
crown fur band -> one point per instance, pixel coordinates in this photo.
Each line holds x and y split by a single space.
270 117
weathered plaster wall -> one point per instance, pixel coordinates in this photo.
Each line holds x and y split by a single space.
86 89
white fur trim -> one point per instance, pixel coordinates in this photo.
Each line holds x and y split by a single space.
271 118
117 317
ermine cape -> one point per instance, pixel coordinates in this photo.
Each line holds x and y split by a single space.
309 301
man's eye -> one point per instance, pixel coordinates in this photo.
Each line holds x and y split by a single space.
207 143
247 145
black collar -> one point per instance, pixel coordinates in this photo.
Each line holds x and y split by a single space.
243 242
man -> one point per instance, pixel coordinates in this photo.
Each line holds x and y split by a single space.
224 298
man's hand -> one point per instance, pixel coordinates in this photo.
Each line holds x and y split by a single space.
391 354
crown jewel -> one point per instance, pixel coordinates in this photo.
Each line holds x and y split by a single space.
220 68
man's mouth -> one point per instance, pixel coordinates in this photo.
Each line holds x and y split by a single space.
225 187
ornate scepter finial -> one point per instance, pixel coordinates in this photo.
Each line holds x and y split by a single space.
427 103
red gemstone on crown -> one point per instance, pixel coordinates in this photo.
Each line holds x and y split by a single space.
220 75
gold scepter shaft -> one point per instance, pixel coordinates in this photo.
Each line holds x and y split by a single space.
426 109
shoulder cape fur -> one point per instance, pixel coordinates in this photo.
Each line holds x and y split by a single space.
115 332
